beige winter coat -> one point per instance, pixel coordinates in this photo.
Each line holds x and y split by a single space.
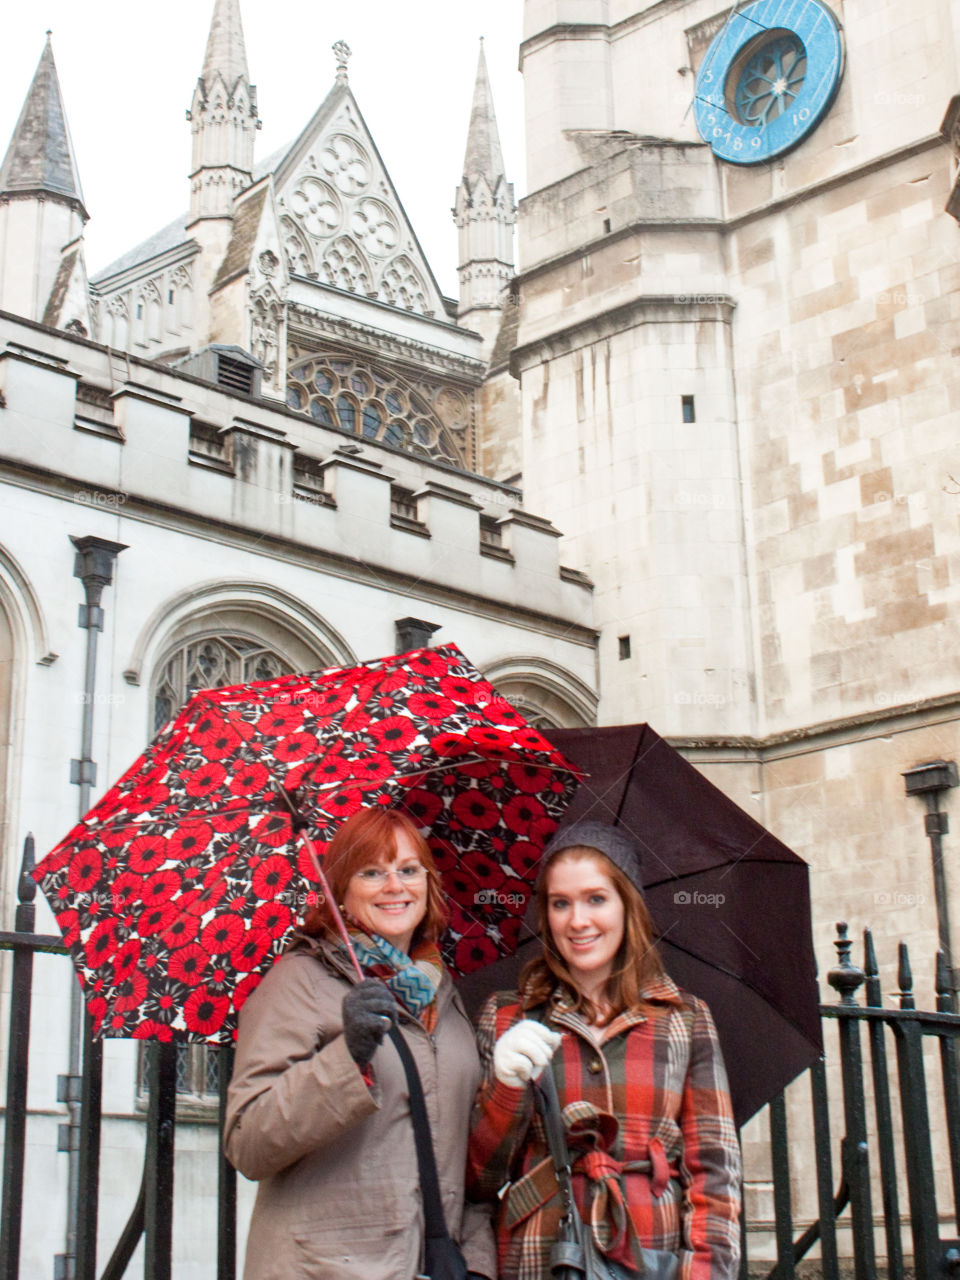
339 1194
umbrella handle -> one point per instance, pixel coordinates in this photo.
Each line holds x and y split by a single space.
334 909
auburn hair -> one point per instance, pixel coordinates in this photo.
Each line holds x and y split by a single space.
369 838
636 964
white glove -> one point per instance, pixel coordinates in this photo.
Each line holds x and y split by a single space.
522 1052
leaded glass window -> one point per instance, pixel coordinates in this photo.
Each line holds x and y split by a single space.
338 390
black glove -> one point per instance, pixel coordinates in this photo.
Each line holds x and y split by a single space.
369 1011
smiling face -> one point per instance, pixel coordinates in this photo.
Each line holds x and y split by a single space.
586 917
392 905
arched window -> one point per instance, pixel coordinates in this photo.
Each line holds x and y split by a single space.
211 662
547 695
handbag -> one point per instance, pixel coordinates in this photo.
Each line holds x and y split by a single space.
442 1258
575 1255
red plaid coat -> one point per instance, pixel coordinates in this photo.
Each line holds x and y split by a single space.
646 1103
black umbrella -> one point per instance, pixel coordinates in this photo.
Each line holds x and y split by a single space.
730 901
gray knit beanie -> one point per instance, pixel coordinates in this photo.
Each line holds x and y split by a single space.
618 845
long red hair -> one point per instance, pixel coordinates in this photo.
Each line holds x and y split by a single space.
368 839
636 964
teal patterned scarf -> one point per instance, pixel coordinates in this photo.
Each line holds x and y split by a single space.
413 980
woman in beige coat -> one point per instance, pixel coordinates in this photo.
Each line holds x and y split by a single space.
318 1112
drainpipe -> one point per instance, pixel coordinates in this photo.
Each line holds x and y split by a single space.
930 781
93 565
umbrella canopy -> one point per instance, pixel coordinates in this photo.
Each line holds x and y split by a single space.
183 883
731 904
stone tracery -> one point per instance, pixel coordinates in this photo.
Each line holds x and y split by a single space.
345 266
375 226
346 163
316 205
403 286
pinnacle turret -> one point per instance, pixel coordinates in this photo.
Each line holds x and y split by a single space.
40 155
484 214
224 118
42 272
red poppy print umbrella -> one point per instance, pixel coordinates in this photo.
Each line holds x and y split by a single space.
183 883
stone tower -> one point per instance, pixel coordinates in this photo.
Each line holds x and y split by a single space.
42 215
485 214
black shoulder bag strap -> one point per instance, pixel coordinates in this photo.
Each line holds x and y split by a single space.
444 1261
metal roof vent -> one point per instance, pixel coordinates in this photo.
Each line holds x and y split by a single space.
229 367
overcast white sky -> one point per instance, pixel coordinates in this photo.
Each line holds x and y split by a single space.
128 70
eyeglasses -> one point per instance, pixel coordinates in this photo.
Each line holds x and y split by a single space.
376 877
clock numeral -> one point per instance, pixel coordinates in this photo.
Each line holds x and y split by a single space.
801 115
756 142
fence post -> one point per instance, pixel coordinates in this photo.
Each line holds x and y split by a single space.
91 1090
227 1197
15 1129
782 1210
916 1133
845 979
883 1111
950 1071
821 1131
158 1168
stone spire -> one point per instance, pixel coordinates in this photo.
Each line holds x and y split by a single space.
484 213
226 53
483 155
224 118
42 273
40 156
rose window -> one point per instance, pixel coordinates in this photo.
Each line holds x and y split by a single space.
365 400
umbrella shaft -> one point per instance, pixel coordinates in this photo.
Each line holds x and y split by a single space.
334 909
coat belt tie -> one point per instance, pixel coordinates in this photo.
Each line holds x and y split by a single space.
606 1205
603 1173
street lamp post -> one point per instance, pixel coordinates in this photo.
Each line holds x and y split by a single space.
930 780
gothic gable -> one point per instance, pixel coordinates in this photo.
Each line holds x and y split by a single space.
341 219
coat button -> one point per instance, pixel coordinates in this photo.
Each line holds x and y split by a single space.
594 1066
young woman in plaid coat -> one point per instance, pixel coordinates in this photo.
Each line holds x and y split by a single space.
639 1075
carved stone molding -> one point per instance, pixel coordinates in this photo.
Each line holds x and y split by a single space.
306 325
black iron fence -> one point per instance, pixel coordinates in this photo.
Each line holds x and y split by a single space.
886 1141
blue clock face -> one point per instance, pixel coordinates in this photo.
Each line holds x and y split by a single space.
767 78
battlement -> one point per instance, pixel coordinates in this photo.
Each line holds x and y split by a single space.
132 437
